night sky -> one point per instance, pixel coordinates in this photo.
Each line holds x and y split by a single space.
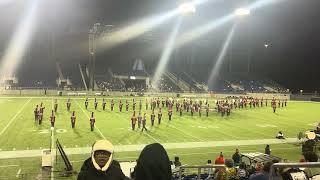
290 28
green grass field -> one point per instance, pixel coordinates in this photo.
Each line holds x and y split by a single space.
19 132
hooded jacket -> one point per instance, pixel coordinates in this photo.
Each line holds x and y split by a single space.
153 164
90 170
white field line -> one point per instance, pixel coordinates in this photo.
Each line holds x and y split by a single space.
199 153
168 146
89 118
18 173
52 147
172 126
13 165
14 117
217 130
152 137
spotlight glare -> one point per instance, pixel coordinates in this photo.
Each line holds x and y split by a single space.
165 56
217 65
191 35
132 31
242 12
19 41
187 8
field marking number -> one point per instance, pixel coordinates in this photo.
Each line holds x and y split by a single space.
266 125
47 131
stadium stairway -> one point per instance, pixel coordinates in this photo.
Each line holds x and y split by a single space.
180 83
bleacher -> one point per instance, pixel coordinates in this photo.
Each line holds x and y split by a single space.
235 83
166 85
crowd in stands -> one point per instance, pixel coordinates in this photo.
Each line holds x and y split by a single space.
166 85
135 85
110 85
154 164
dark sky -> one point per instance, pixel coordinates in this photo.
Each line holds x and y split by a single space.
290 27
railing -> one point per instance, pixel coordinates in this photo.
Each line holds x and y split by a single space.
181 168
292 165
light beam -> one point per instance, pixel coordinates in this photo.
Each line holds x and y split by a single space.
123 35
202 30
205 29
217 66
19 42
166 54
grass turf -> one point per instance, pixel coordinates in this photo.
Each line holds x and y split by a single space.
18 130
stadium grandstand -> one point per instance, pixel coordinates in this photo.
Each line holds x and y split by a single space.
159 90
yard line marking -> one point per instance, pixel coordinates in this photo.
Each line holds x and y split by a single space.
13 165
168 146
172 126
77 161
89 118
216 130
14 117
52 147
152 137
18 173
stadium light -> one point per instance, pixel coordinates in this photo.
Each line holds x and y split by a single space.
187 8
242 12
204 29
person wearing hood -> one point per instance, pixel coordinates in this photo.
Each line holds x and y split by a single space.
153 164
101 166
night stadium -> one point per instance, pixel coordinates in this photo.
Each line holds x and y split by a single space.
168 90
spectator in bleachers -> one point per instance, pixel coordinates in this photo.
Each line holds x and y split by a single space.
176 162
267 150
153 164
219 159
311 157
209 171
236 157
242 173
259 167
101 164
230 172
264 174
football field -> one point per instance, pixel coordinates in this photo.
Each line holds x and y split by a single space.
194 138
